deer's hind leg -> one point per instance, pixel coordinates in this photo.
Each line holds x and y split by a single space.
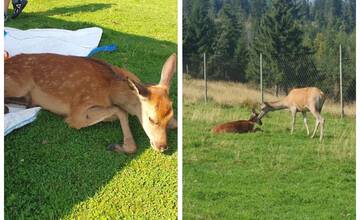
96 114
305 123
14 88
16 92
293 114
25 100
319 121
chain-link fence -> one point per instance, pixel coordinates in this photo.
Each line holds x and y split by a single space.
273 75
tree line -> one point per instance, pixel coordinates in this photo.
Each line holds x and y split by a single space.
299 41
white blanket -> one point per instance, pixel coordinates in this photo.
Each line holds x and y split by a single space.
19 117
65 42
77 43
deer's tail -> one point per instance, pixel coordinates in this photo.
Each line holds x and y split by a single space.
320 100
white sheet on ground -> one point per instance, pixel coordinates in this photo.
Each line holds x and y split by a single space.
77 43
17 119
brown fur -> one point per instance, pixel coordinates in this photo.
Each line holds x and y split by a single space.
241 126
163 108
59 83
87 91
300 100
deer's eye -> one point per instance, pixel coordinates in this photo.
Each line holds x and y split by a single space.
153 121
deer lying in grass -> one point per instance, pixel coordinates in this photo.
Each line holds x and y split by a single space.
300 100
241 126
87 91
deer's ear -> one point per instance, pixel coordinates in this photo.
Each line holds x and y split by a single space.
168 71
140 89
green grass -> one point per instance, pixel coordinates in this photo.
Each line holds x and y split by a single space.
55 172
269 174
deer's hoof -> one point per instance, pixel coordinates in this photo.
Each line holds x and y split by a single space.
119 149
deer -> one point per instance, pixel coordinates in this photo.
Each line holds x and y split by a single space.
240 126
86 91
300 100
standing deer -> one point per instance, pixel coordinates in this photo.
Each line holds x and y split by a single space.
300 100
241 126
87 91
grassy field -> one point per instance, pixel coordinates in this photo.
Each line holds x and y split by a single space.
269 174
55 172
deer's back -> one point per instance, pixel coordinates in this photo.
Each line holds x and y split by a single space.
63 79
240 126
303 97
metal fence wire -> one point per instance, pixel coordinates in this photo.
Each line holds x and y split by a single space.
281 74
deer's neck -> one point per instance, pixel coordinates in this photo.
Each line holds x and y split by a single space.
278 105
122 96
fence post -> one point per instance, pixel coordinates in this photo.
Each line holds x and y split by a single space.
261 80
205 79
341 87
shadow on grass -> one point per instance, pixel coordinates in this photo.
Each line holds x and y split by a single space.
72 10
50 167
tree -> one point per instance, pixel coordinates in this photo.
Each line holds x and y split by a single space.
299 40
198 35
228 30
257 8
200 29
229 46
204 27
304 10
245 5
333 12
280 40
348 16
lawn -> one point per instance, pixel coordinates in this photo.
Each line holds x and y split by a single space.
56 172
269 174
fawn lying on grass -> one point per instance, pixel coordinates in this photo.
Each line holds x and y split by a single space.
241 126
87 91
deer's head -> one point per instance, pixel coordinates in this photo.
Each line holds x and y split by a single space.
156 107
254 117
265 108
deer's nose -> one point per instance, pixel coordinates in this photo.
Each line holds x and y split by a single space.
161 147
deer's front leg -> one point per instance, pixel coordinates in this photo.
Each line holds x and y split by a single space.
305 123
93 115
129 145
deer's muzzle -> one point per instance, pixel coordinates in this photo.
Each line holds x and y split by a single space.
159 147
